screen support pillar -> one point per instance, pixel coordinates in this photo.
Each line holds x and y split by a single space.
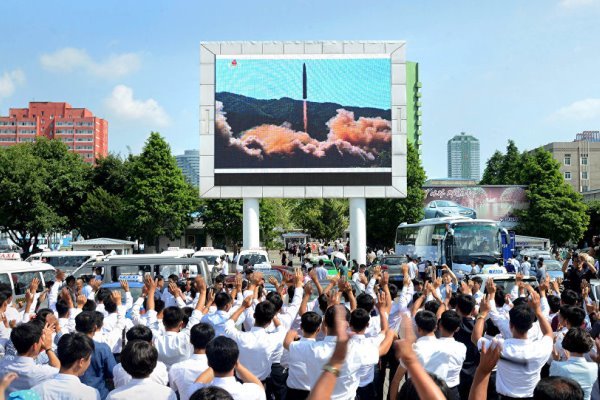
358 231
251 223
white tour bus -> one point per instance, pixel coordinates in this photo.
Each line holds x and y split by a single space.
66 261
455 241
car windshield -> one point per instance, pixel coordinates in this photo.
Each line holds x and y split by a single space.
393 261
445 203
552 265
67 264
475 242
509 284
254 258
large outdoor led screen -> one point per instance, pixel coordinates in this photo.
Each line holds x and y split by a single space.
303 120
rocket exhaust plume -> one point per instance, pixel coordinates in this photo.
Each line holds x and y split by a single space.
304 96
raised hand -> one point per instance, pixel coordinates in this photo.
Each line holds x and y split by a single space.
124 285
81 300
200 284
489 358
115 295
33 286
247 302
490 286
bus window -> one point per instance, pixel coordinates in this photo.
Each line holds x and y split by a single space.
22 280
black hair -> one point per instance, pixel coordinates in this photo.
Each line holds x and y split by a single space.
103 295
62 308
554 303
393 290
359 319
222 299
478 280
69 279
365 301
110 306
172 317
220 279
211 393
490 328
465 303
99 319
577 340
573 315
521 318
23 336
322 300
90 305
520 301
73 347
275 298
569 297
43 313
222 354
432 305
557 388
201 334
139 332
5 292
330 317
450 321
426 320
310 322
291 290
139 359
264 313
85 322
187 314
499 297
173 278
159 277
409 391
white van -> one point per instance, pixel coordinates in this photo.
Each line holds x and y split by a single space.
177 252
19 274
211 255
257 258
66 261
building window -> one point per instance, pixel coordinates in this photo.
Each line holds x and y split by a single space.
584 175
568 160
568 175
585 188
584 160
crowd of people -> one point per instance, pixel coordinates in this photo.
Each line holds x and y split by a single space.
366 338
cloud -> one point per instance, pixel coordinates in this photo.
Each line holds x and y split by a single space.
577 3
580 110
69 59
9 82
123 105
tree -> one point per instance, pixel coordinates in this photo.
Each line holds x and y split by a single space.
223 219
274 218
384 215
556 210
159 200
321 218
42 186
104 214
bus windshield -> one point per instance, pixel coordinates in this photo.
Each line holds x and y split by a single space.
67 263
476 242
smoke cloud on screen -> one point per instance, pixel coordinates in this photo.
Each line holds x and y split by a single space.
347 138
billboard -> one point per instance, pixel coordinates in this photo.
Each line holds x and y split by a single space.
498 203
299 121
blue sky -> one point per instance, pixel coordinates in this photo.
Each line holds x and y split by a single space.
526 70
363 82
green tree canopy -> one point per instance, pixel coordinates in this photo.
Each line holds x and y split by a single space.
42 187
384 215
159 200
223 220
321 218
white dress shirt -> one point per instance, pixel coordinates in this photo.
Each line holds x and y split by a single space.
142 389
302 359
29 373
257 347
577 368
363 343
173 347
431 354
457 352
186 372
65 387
519 377
160 375
217 320
237 390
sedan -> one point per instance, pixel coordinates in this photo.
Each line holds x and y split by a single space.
447 208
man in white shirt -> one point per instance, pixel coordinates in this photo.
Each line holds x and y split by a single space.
360 278
321 271
139 359
182 373
29 340
222 354
448 325
522 358
159 374
413 270
298 384
525 266
257 347
75 354
219 317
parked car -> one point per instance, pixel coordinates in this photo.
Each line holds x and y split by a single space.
445 208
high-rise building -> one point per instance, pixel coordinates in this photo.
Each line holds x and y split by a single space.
463 157
413 105
78 128
189 162
579 160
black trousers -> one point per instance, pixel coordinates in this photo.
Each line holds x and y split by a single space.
276 383
453 393
366 392
297 394
387 361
